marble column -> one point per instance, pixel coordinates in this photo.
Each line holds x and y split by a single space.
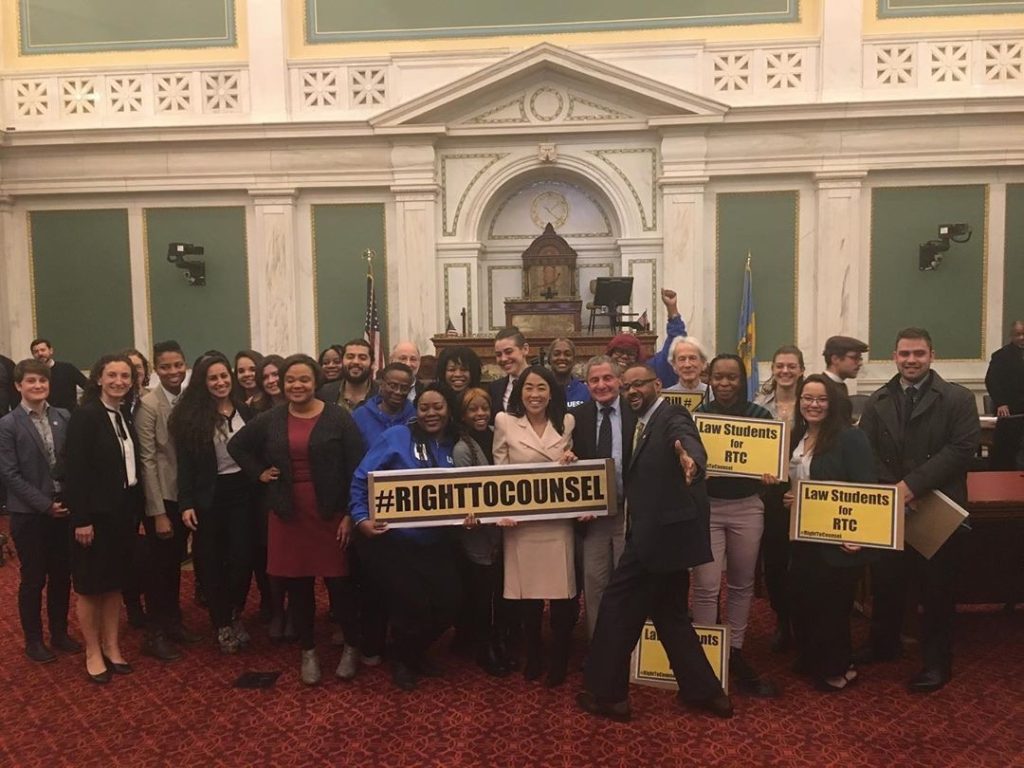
268 70
413 307
682 185
842 57
14 282
841 280
280 287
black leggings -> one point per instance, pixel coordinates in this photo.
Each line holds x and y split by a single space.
223 547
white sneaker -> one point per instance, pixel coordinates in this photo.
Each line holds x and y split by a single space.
310 670
349 664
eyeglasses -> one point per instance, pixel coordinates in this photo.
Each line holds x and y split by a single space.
808 400
394 386
638 384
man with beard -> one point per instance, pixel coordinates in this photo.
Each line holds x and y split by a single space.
356 384
924 431
65 379
667 523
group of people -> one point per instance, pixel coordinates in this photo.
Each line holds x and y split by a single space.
264 462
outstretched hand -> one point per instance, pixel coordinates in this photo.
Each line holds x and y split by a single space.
686 462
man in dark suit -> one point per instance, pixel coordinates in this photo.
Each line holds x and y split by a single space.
65 379
31 442
924 431
512 352
604 429
1005 384
667 532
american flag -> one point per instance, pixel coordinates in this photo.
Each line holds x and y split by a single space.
371 326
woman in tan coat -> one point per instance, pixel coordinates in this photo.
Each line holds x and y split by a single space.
539 554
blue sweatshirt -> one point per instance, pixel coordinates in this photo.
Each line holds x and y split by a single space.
576 393
372 421
396 449
662 365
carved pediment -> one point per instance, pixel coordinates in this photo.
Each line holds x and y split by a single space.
546 86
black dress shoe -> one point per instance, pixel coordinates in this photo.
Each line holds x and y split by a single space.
66 644
180 634
118 668
159 647
719 705
101 679
38 652
403 676
619 711
928 680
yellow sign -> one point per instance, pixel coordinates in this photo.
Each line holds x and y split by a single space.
650 664
741 447
689 400
847 513
423 497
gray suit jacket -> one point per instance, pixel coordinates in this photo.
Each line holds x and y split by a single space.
157 455
24 464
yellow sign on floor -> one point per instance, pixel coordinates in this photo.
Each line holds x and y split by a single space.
650 664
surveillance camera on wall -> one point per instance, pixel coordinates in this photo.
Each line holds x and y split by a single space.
929 254
194 269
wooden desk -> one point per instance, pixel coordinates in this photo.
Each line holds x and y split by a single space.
992 565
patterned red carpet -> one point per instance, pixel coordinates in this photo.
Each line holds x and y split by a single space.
188 714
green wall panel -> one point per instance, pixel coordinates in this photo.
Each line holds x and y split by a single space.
763 224
1013 270
62 26
897 9
214 316
81 270
340 235
948 301
331 20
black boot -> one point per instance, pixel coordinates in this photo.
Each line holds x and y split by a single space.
747 679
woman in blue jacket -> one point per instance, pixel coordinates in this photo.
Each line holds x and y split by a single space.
414 566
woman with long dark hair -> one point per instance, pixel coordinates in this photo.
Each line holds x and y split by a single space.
826 447
304 452
737 523
539 555
415 567
268 378
246 362
104 495
214 495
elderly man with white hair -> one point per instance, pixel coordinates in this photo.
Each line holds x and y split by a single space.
407 353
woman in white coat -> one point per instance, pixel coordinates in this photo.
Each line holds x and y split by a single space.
539 554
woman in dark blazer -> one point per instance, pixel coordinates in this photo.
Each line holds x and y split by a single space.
304 453
214 495
825 576
104 496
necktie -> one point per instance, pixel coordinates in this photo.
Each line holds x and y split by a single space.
637 434
908 405
604 433
121 431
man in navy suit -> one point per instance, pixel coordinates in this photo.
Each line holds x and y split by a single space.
31 442
667 532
